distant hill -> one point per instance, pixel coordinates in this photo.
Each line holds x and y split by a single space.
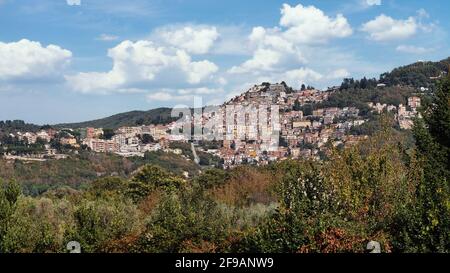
133 118
13 125
419 74
391 88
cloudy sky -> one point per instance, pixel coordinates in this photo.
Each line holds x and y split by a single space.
75 60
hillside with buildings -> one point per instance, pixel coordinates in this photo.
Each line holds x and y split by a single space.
266 123
332 168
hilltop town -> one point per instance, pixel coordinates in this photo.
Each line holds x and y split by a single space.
266 123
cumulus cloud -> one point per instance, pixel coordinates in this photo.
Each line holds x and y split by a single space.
302 75
262 38
310 25
262 60
194 39
226 43
281 48
412 49
141 63
73 2
338 74
272 51
385 28
30 60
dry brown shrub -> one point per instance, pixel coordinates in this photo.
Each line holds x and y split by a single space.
150 202
203 246
246 186
125 244
334 240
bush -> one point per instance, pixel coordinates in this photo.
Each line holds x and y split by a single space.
187 221
100 222
38 226
151 178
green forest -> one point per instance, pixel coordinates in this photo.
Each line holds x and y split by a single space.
380 190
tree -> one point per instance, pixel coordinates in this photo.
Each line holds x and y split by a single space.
108 186
307 110
108 133
429 228
303 199
38 226
364 83
9 194
185 221
150 178
212 178
101 222
146 139
140 122
297 105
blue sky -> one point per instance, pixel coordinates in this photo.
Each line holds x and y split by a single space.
75 60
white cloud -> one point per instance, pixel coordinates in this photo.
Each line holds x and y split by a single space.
311 25
373 2
140 63
281 48
271 52
181 95
385 28
338 74
226 43
193 39
302 75
73 2
270 39
263 60
165 96
200 91
30 60
107 37
412 49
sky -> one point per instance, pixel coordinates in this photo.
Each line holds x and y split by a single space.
77 60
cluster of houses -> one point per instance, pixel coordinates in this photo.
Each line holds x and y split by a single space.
128 141
281 131
404 114
45 137
261 125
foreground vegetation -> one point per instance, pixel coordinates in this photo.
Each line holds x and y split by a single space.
380 190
